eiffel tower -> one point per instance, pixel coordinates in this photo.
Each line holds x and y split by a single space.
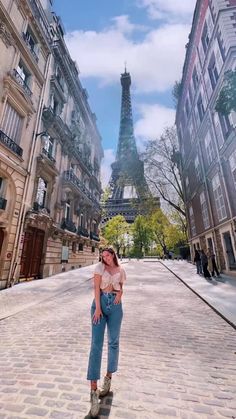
127 185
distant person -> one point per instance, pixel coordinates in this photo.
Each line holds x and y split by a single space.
198 262
212 265
106 310
204 260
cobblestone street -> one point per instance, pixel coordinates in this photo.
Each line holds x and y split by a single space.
177 358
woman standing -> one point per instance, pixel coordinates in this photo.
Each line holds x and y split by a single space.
106 309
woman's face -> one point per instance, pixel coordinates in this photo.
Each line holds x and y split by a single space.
107 257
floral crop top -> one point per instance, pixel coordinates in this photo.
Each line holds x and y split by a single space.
108 279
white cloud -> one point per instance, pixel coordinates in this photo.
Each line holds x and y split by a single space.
154 119
109 157
154 62
169 9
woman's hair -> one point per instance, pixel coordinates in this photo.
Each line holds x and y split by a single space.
113 253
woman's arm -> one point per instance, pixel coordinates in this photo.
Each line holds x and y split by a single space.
98 312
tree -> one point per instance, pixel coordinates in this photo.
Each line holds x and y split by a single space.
176 91
162 165
114 232
159 223
226 101
142 235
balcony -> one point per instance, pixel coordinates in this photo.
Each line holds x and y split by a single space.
48 155
3 203
83 232
50 117
69 176
94 236
9 143
30 47
21 82
40 208
68 225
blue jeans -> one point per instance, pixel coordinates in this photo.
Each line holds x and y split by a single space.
112 317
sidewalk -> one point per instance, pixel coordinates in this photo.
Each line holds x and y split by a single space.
219 293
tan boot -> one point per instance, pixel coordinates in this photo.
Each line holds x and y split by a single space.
105 387
94 399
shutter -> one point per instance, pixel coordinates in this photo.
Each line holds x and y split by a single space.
218 57
232 118
208 86
219 134
209 21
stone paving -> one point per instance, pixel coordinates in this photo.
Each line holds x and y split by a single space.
177 357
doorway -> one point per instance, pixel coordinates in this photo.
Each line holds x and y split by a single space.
31 257
229 250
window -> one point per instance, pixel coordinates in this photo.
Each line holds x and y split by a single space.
213 72
205 215
23 73
232 163
205 38
50 146
31 42
200 107
59 77
81 220
195 78
12 123
197 168
219 199
74 247
41 192
209 148
192 221
225 124
67 210
81 247
187 185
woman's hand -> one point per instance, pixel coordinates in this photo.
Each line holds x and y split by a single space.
97 315
117 299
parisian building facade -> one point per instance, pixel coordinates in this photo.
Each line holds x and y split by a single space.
50 149
208 139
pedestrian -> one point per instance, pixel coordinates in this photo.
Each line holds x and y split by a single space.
106 310
212 266
197 260
204 260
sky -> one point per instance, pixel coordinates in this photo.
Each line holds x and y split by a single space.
150 37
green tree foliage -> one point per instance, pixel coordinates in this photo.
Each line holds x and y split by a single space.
176 91
114 232
142 235
226 101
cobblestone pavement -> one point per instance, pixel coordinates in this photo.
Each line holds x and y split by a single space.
177 356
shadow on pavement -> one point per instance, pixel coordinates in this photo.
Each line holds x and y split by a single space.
105 407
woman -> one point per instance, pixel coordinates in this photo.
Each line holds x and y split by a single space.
204 260
197 260
106 309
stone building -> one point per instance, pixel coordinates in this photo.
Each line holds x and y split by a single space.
50 149
207 138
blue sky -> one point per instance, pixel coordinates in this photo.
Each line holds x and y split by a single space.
150 35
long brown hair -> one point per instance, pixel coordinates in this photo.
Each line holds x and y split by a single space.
113 253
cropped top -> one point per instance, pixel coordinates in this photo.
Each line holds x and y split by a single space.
110 279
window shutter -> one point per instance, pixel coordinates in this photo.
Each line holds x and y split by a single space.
219 133
218 57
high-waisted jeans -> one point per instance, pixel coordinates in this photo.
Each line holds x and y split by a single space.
112 317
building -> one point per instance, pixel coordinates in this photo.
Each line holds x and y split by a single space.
208 139
50 149
127 187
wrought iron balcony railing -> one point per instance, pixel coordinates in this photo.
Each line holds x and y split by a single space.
38 207
3 203
71 177
68 225
9 143
82 232
48 155
94 236
30 47
21 82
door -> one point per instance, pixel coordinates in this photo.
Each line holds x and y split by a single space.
32 253
229 250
